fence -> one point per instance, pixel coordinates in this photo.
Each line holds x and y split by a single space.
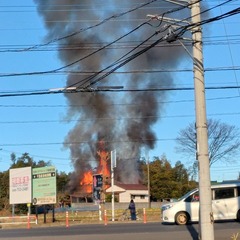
83 214
143 215
18 220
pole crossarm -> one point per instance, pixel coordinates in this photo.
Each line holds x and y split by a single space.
177 22
178 2
176 25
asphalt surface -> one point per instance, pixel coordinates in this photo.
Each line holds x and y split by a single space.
118 231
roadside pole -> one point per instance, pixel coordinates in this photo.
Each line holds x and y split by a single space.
206 217
113 165
112 186
205 214
67 220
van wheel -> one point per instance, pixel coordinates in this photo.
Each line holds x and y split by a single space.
181 218
238 216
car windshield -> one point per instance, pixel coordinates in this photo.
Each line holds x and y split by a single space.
187 194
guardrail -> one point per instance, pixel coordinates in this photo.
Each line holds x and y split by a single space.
90 208
17 220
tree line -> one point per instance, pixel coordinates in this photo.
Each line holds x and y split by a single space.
166 181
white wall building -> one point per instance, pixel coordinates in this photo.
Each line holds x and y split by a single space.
126 192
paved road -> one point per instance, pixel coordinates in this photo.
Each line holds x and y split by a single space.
119 231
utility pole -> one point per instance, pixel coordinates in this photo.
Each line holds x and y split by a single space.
205 213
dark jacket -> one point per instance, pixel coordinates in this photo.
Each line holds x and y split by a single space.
132 207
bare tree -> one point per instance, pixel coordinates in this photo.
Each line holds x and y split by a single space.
223 141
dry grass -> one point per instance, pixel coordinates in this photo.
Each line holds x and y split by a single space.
82 217
93 216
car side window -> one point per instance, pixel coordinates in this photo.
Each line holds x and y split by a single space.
224 193
188 199
193 198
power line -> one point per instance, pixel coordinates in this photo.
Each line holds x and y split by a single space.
88 90
208 41
143 71
104 47
108 105
122 62
178 32
76 61
91 27
115 118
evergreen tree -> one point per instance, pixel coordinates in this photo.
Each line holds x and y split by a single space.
166 181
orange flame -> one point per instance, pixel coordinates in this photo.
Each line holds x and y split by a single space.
103 168
86 183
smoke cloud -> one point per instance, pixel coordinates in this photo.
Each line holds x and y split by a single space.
123 120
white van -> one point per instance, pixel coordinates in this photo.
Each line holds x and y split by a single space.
225 205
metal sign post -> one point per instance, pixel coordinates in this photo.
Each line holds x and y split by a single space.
113 165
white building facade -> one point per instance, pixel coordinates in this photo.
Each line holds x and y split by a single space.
125 192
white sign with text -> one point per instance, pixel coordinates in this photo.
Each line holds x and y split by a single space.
20 185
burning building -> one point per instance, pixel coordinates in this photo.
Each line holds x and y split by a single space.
94 182
109 43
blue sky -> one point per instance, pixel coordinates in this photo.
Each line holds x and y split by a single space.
38 125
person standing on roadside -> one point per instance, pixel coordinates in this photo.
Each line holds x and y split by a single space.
132 209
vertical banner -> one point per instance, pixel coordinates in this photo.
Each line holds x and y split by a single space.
44 185
20 185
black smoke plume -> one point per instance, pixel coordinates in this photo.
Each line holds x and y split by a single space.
123 120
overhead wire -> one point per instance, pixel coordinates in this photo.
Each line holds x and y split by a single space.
182 31
131 57
123 60
106 74
117 118
85 90
118 63
203 22
233 12
219 39
182 70
107 105
188 19
76 61
90 27
94 52
230 51
124 14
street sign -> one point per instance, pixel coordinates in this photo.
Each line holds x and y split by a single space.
20 185
44 185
